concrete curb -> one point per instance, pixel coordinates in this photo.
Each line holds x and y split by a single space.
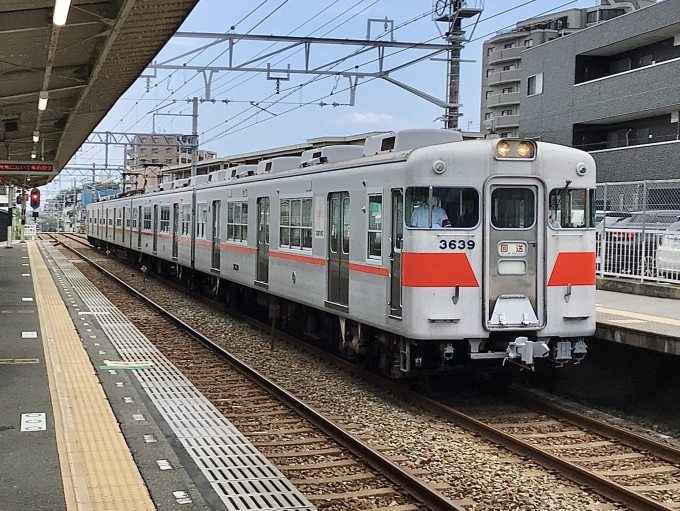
629 286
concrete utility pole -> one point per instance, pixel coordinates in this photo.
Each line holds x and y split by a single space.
454 12
194 138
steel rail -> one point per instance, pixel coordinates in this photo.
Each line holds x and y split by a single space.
570 470
630 438
417 488
575 473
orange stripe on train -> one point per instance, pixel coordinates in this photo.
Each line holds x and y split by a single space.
437 270
575 268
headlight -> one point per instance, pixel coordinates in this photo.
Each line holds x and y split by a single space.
524 150
515 149
503 149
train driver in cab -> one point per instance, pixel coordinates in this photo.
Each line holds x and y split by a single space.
421 215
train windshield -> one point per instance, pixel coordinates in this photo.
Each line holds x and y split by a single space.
572 208
513 208
441 207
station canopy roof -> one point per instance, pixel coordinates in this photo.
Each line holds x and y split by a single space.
82 68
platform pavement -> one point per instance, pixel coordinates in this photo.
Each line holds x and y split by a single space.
642 321
39 468
29 463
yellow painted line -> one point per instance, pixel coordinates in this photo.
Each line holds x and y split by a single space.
97 468
637 315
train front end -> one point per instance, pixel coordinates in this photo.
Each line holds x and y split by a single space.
502 269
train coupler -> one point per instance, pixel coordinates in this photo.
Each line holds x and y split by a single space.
525 351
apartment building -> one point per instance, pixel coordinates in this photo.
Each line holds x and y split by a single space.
502 58
162 149
612 90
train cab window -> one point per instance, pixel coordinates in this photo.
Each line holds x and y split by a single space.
201 220
295 230
374 226
186 220
572 208
513 208
237 221
438 207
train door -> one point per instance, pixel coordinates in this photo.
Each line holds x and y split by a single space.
514 283
122 224
216 235
114 224
155 228
396 241
106 226
140 222
263 239
175 229
338 248
193 229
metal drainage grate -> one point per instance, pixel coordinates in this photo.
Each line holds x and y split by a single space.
242 477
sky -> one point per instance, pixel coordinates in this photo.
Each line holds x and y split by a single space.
238 126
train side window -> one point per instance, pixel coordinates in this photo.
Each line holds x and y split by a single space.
134 218
572 208
237 221
201 220
449 207
165 219
186 219
147 218
295 225
513 208
374 226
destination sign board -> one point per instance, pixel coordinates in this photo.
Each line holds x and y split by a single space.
27 167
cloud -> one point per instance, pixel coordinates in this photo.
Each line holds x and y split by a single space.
369 118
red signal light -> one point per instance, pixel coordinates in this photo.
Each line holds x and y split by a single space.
35 198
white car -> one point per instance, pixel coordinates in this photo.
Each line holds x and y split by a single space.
668 252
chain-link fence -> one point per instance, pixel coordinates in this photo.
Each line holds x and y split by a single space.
638 230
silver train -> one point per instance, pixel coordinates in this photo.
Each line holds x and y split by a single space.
417 251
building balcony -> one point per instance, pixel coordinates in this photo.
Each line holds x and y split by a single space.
506 121
647 89
512 76
509 98
505 55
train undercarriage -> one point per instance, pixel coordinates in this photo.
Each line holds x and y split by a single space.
387 353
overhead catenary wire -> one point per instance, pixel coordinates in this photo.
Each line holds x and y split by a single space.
232 129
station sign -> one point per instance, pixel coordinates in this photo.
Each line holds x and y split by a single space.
28 167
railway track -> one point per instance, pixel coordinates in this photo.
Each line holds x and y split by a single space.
333 467
626 467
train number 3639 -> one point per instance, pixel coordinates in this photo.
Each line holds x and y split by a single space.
457 244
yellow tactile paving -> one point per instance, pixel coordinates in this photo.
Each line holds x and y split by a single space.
97 468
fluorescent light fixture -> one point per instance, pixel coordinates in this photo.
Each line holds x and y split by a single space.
60 12
36 136
42 100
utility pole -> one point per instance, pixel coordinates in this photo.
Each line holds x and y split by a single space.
194 133
24 198
454 12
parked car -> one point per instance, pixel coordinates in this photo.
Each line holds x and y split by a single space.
668 253
628 249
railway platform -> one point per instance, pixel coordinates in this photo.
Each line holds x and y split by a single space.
642 321
93 417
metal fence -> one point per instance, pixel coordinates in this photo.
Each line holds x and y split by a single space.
633 235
